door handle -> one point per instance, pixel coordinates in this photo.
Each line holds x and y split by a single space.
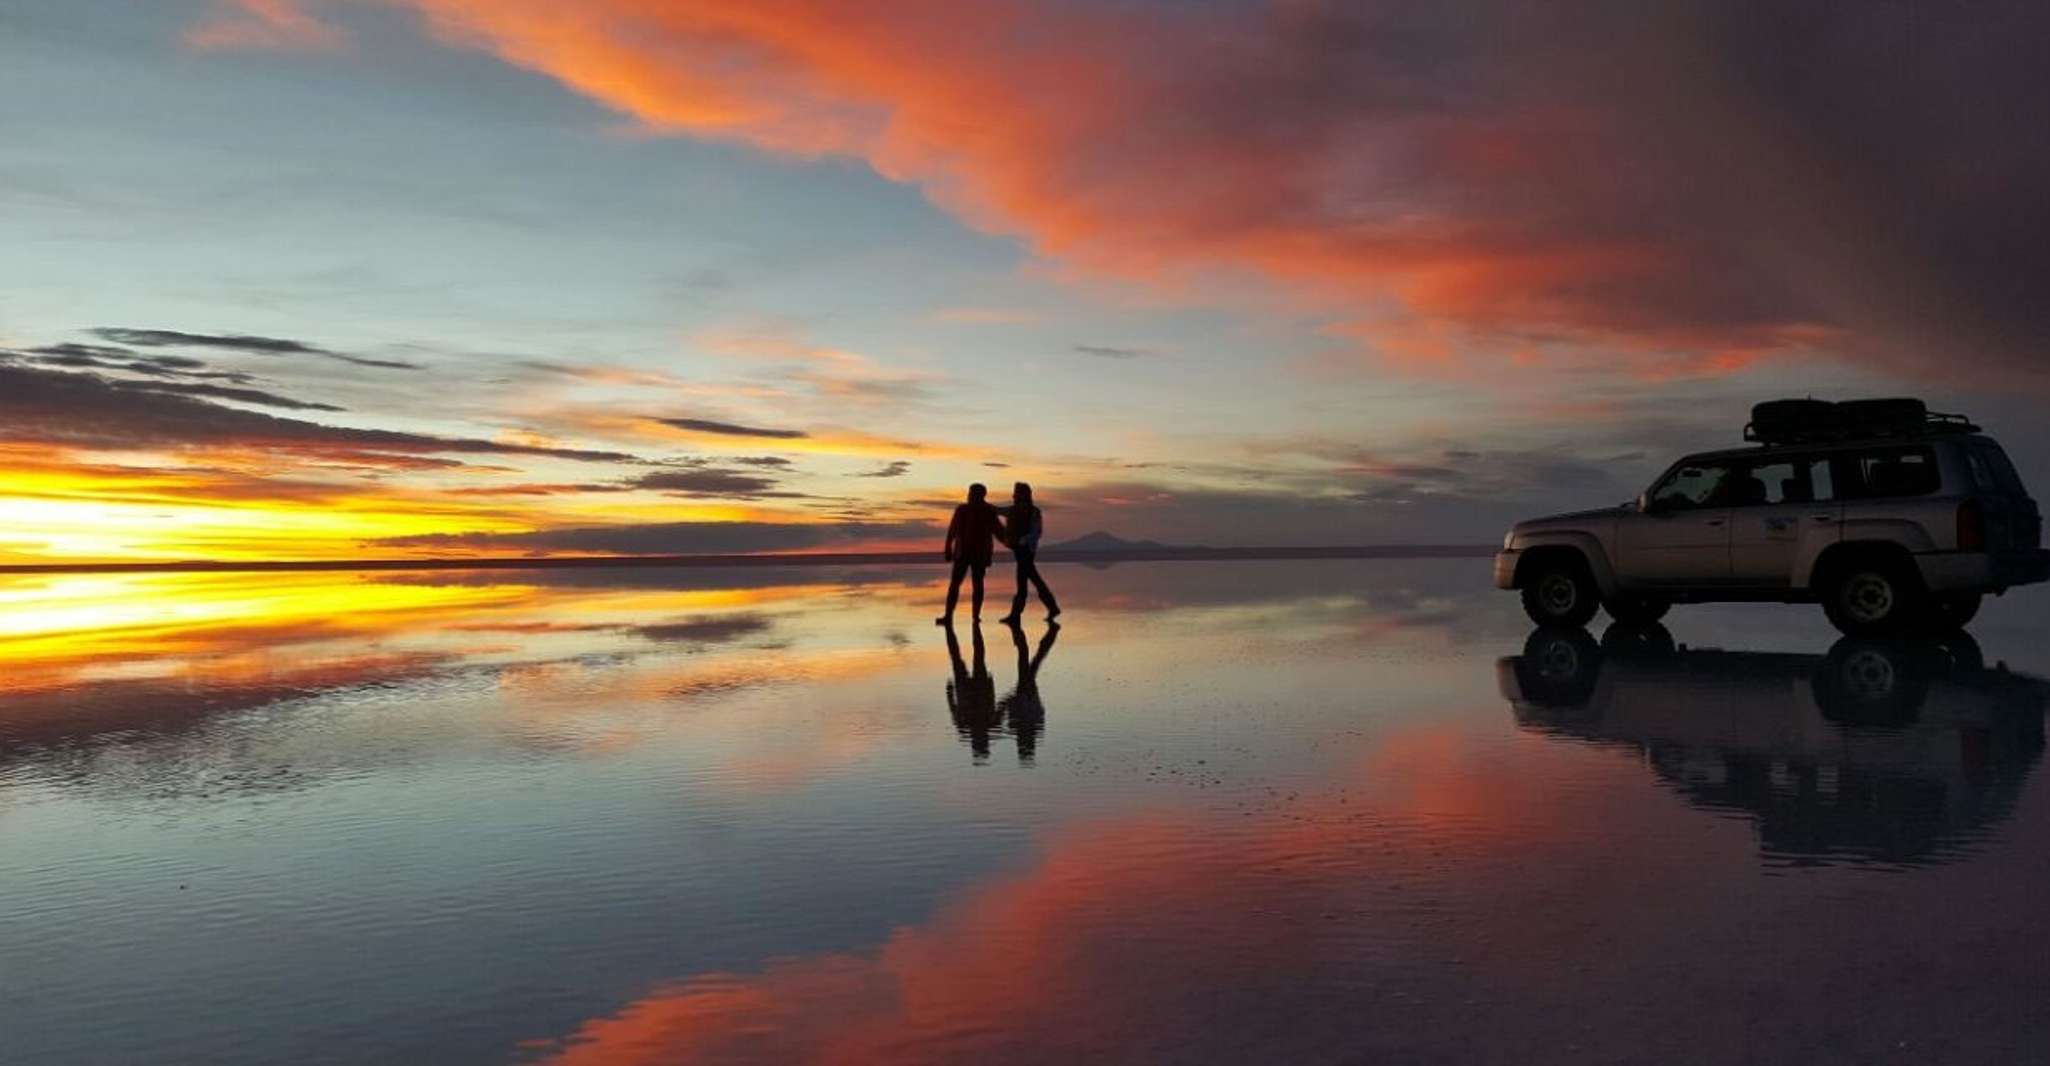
1715 521
1823 517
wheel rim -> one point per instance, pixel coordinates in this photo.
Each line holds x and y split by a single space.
1868 597
1558 593
1868 675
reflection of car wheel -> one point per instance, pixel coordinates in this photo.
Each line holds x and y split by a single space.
1965 655
1952 611
1622 640
1878 683
1558 667
1560 592
1636 610
1872 597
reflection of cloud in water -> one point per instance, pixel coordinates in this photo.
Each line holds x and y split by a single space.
1423 904
718 629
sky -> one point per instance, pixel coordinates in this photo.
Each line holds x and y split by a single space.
349 278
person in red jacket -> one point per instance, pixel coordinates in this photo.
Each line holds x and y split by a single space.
971 544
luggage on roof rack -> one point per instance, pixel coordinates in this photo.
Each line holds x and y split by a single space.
1809 420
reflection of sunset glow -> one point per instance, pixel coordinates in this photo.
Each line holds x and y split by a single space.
1045 955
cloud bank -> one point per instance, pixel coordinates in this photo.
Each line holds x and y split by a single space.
1722 179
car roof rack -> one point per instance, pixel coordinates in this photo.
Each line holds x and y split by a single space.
1838 430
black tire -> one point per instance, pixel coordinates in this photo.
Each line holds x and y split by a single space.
1636 610
1953 611
1871 597
1559 592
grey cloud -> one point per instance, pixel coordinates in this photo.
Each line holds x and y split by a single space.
708 482
1105 351
894 468
238 342
732 429
224 392
85 410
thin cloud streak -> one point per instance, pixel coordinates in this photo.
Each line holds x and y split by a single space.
234 342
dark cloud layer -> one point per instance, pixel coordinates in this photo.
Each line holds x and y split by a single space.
708 482
225 392
51 407
666 538
731 429
237 342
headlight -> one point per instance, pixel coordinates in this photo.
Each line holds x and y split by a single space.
1509 539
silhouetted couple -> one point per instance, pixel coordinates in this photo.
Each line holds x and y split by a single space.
971 545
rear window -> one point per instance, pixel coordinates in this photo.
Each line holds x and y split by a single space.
1991 470
1884 472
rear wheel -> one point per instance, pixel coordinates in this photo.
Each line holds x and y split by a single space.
1872 597
1560 592
1636 610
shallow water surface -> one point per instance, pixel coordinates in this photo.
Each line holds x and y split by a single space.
1284 812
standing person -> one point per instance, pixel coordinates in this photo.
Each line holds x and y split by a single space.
1024 523
971 542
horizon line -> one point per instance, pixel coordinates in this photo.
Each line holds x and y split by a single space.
548 562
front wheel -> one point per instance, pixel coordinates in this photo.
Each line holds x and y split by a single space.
1561 593
1873 599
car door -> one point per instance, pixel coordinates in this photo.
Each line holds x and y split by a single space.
1681 533
1780 508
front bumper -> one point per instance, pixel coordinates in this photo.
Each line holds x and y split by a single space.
1505 568
1982 572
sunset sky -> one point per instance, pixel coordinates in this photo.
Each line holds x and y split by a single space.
328 278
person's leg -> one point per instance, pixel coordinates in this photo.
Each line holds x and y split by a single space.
954 590
975 577
1045 593
1018 601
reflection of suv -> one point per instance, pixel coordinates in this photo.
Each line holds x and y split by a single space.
1891 517
1889 750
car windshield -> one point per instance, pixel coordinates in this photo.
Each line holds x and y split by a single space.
1692 485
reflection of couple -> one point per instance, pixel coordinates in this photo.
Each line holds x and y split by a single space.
971 544
972 695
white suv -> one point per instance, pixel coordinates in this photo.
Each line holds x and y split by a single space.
1892 518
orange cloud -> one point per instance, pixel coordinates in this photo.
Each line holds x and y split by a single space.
278 25
1209 149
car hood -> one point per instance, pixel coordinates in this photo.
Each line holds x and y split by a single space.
1568 520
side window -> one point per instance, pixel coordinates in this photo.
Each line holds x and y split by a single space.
1992 470
1692 485
1892 472
1821 486
1770 483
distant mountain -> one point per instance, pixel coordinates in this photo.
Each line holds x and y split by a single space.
1101 542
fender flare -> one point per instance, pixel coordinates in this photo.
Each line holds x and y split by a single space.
1587 544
